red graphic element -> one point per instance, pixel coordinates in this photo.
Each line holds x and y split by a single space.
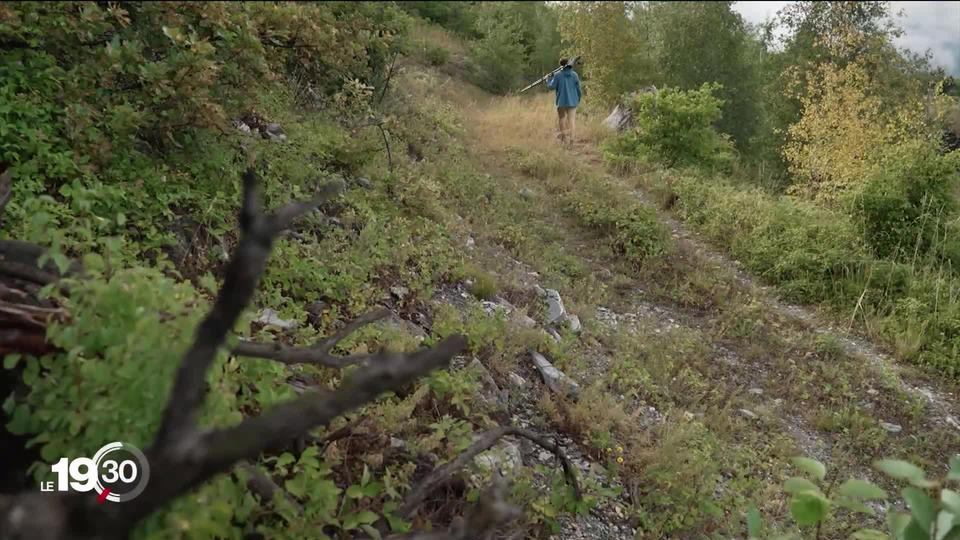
103 496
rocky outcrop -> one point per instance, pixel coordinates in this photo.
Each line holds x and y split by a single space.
621 117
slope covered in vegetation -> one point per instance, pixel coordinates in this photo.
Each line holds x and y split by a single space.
686 386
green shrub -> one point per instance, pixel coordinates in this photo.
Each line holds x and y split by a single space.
907 206
815 254
436 56
632 227
499 56
675 127
816 499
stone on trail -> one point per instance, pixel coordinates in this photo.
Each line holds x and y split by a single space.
504 458
269 317
274 132
746 413
489 393
517 380
574 322
556 380
892 428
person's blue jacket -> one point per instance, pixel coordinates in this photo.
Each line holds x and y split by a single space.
567 84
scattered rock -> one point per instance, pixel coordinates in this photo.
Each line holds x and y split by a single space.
471 242
397 443
556 380
651 417
399 292
517 380
504 458
555 305
489 393
553 333
748 414
545 455
892 428
622 116
574 323
756 391
242 127
526 194
269 317
273 132
522 319
873 391
406 326
363 182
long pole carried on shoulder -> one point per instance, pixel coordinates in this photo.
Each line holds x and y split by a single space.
548 75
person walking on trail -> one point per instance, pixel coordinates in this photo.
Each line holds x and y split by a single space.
567 85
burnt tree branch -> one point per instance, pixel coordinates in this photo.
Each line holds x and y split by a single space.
183 455
318 354
441 474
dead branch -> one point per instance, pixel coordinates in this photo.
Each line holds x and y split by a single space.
257 232
318 354
440 475
184 456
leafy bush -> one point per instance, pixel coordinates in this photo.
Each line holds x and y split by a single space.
632 228
814 499
906 206
675 127
499 55
816 254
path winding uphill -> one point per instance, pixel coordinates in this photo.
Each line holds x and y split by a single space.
697 383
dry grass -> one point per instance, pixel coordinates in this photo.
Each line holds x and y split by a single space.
530 121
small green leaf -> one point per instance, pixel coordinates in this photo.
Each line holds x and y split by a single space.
808 508
375 534
297 486
954 473
861 489
372 489
799 485
946 522
950 500
811 466
10 360
921 506
367 517
897 522
754 522
365 477
903 470
915 532
853 504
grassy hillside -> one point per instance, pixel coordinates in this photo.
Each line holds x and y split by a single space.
696 384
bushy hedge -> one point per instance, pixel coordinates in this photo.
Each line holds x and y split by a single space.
676 127
816 254
909 205
632 228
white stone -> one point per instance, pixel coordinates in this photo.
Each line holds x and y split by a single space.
556 380
270 317
892 428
